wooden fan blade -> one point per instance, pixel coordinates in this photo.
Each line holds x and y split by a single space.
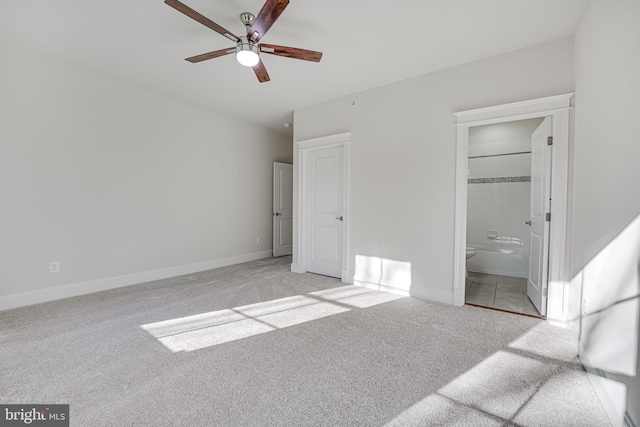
291 52
183 8
265 19
261 72
211 55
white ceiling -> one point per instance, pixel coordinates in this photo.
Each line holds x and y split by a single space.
366 43
518 130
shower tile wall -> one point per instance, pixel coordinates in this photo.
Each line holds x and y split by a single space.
501 206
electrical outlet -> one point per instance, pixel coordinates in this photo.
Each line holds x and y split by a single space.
257 240
54 267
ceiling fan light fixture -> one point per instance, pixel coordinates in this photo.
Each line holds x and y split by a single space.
248 49
247 54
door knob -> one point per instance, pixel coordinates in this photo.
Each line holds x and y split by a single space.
528 223
277 214
339 217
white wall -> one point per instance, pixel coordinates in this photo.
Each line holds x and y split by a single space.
109 179
502 207
497 211
402 167
500 166
500 138
605 224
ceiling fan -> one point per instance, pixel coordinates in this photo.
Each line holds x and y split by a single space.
248 48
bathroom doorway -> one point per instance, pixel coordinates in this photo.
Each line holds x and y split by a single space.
498 216
557 108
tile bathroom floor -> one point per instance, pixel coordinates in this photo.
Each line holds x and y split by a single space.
499 292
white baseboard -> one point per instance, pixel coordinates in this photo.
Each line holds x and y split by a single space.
377 287
604 388
573 329
344 277
297 268
75 289
499 272
436 295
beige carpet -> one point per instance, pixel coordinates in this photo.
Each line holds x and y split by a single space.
256 345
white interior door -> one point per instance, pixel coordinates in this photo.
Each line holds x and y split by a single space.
540 206
325 174
282 209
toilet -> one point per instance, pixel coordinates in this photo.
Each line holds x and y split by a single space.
470 252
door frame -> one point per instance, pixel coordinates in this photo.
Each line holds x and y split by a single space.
300 184
559 108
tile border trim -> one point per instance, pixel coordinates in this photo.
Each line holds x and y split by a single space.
499 180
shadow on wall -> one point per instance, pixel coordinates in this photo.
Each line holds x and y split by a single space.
383 274
609 320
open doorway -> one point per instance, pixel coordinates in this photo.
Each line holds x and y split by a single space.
499 216
556 109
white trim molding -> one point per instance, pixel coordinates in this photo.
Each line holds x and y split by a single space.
611 393
499 113
325 141
558 107
299 264
76 289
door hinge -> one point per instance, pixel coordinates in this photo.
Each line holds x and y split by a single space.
548 217
549 140
545 292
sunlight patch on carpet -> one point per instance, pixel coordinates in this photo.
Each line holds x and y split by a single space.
204 330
